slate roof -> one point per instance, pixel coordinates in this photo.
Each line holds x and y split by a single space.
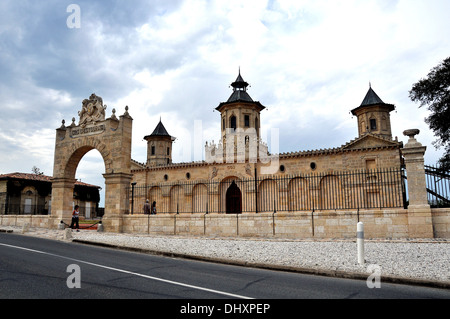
372 98
240 93
160 130
39 178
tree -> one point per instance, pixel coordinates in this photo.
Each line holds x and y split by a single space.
37 171
434 92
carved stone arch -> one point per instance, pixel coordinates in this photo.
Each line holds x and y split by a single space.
176 199
81 148
200 198
298 194
224 195
268 195
112 138
331 192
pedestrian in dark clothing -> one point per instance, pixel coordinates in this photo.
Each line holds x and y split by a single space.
147 208
153 208
75 218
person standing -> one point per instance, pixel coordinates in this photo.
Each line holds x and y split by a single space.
75 218
147 208
153 208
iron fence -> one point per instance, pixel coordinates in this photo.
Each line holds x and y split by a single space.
438 186
21 209
350 190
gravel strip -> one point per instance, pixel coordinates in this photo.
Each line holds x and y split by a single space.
416 259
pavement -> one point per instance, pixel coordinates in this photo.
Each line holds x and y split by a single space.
60 235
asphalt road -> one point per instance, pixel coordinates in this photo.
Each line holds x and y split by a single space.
46 269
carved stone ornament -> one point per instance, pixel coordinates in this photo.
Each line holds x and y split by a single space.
214 172
92 110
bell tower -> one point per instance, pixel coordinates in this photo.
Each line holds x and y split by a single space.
159 146
240 126
374 116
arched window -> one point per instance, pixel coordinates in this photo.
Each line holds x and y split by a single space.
373 124
233 122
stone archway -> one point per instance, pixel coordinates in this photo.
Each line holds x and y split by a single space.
112 138
233 199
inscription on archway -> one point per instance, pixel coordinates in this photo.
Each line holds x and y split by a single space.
112 138
89 130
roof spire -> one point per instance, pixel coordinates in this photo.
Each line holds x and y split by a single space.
239 84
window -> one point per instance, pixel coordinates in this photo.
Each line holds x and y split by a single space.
371 164
233 122
27 209
247 120
168 151
153 150
373 124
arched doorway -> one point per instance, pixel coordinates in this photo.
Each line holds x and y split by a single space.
234 199
112 138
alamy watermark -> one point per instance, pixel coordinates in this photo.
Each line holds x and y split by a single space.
74 279
374 280
74 19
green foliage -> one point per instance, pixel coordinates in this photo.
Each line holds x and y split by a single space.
434 92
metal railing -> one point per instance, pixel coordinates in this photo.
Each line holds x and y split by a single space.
438 186
22 209
348 190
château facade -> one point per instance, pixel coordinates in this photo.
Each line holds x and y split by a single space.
240 175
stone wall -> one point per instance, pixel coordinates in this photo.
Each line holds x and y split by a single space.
441 222
388 223
38 221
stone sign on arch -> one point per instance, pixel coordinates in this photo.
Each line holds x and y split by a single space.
112 138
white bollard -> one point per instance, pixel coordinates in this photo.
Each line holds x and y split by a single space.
360 242
68 234
25 228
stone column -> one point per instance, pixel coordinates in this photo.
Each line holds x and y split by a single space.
116 201
419 212
62 200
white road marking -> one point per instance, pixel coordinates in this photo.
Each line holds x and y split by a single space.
131 273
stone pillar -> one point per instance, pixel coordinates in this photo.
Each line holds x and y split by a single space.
62 200
419 211
116 201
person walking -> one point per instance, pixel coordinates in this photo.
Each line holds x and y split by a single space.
75 218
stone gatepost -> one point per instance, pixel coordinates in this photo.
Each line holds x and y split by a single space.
62 199
420 223
116 201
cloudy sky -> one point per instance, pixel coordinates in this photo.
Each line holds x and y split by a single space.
308 61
